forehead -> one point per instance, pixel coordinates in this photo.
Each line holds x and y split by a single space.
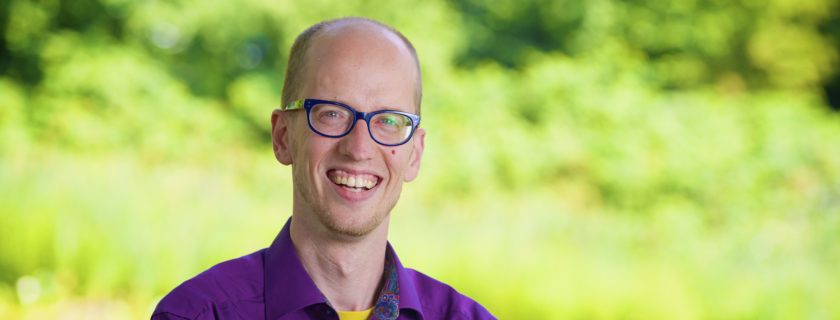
362 63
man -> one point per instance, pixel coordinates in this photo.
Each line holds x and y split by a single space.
349 129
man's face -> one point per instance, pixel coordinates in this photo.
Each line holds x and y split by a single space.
368 69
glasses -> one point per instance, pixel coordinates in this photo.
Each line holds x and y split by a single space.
334 120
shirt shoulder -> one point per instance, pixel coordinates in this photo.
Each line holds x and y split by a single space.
230 290
441 301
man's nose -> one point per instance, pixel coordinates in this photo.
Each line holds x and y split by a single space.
358 144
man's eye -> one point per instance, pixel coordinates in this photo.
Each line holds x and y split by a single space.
331 115
388 121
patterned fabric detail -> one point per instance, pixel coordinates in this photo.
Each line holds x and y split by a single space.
387 307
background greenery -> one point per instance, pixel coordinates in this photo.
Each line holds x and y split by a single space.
597 159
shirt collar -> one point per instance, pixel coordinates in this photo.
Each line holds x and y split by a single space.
408 291
288 287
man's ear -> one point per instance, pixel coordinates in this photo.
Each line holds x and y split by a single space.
417 145
280 136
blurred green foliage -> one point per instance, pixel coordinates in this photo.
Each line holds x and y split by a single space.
585 159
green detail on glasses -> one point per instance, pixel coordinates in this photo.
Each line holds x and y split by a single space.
294 105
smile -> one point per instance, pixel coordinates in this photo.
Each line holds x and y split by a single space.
353 182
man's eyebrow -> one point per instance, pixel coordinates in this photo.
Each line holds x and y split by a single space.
394 107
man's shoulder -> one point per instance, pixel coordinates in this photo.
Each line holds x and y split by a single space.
441 301
222 288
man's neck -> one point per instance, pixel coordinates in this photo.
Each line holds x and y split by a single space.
347 271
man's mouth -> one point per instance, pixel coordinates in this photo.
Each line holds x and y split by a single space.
353 182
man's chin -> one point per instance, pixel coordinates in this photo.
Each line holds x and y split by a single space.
349 226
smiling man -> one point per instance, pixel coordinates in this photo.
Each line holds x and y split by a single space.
349 129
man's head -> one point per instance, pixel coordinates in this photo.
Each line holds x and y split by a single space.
296 69
370 67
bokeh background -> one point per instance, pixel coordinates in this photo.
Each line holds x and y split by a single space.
603 159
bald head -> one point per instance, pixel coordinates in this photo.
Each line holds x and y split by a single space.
359 39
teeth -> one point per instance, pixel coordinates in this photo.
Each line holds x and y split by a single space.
356 183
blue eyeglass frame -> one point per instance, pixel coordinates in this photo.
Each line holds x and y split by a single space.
307 105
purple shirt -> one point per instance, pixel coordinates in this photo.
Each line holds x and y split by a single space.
272 284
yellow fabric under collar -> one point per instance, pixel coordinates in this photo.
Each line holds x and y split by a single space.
355 315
